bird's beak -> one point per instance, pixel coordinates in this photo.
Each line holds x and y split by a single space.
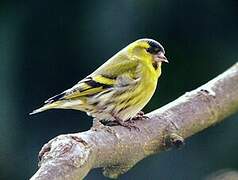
160 57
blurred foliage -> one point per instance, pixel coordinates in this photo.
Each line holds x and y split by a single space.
47 46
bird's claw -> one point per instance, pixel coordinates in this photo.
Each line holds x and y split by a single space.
139 116
130 124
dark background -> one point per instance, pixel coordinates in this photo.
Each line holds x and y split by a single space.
48 46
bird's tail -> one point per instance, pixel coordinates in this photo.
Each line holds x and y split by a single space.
46 107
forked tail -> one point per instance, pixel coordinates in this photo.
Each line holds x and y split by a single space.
45 107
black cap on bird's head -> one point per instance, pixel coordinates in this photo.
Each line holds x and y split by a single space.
156 49
153 48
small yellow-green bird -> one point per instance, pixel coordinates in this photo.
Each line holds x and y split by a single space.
118 89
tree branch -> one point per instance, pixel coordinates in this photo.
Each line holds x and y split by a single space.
117 149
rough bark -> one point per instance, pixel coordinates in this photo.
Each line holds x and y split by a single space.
117 149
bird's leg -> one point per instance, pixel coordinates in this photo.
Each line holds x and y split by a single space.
110 123
128 124
97 125
139 116
117 121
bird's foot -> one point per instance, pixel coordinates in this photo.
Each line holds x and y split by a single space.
97 125
139 116
110 123
130 124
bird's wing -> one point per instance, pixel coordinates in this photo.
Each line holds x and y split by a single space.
86 87
101 80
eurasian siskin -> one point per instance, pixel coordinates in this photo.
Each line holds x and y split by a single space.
118 89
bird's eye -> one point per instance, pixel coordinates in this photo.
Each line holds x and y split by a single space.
153 50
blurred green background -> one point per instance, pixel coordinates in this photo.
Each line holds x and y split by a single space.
48 46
